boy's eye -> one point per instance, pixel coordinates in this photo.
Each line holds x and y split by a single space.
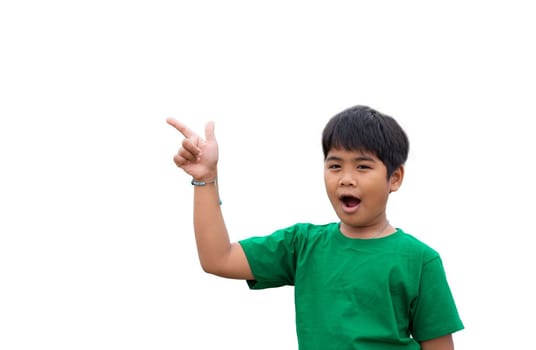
333 166
363 166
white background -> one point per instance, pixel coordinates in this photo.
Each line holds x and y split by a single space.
96 242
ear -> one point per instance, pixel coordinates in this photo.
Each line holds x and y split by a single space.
395 181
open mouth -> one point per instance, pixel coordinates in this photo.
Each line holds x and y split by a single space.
350 201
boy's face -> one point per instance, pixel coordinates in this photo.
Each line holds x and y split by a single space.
358 189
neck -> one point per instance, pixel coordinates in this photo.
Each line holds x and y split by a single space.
361 233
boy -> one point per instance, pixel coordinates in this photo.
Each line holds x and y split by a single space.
359 283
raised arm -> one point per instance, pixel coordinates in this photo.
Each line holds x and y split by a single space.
198 157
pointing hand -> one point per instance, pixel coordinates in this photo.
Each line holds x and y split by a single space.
198 157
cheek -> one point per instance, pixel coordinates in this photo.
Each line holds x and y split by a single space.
379 189
330 186
331 182
383 192
328 180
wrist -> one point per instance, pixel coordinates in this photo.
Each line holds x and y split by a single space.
199 182
208 178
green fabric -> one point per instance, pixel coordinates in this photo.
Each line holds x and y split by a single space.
386 293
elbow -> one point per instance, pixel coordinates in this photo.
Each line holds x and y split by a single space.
211 268
206 267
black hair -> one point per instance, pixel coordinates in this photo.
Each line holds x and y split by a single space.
361 128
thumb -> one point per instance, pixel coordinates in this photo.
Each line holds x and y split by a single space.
209 131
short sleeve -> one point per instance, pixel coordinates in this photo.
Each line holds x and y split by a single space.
434 313
272 258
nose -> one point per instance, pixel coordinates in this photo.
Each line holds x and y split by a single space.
347 179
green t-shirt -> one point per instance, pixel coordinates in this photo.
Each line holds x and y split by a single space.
385 293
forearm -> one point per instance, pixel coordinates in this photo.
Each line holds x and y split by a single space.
212 239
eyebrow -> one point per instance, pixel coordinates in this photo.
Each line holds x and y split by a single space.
358 159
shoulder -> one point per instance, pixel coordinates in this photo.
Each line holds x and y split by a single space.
299 232
303 232
411 244
314 229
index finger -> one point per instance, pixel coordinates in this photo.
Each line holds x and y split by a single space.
183 129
